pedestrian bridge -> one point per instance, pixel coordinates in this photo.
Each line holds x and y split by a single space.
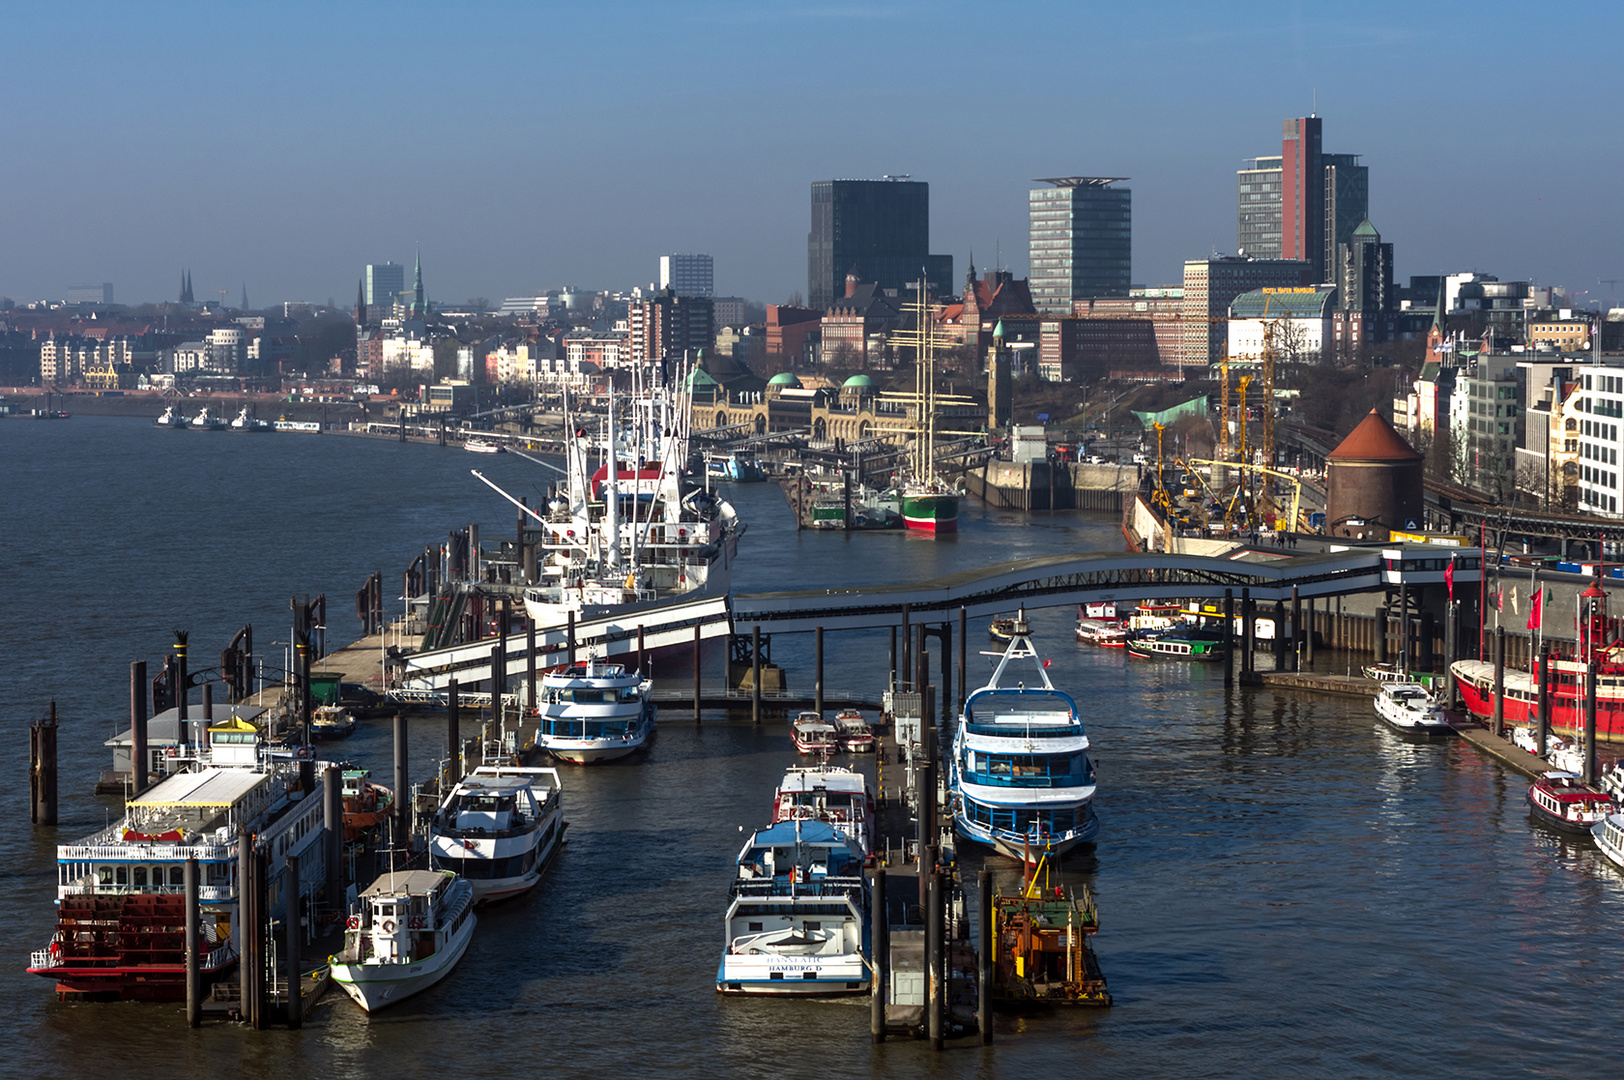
1053 581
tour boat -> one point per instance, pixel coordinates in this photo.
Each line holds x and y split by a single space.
1559 800
1021 779
1178 644
412 928
331 722
121 902
829 793
499 827
170 418
205 420
797 917
1609 836
1109 635
1408 707
593 712
481 446
812 735
853 733
366 805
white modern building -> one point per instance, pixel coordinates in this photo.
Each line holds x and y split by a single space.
688 275
1600 411
1293 323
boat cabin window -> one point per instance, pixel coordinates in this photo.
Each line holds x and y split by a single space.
581 696
121 875
177 876
104 875
140 877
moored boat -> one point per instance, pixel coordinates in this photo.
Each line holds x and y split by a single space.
1178 644
499 828
1041 951
1561 801
1020 773
171 418
1410 709
811 735
853 733
481 446
411 929
366 804
205 420
246 421
331 722
1609 836
594 711
797 917
829 793
1108 635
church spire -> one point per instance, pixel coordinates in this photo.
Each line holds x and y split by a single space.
244 296
419 308
360 302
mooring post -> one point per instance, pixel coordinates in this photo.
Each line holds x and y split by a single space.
697 674
1380 636
139 758
1279 635
964 637
1404 630
1248 632
893 670
921 659
640 648
570 639
1296 630
1543 732
817 669
755 673
1308 634
1451 645
453 734
305 707
984 953
947 670
292 938
530 664
181 690
403 795
937 990
332 822
1229 637
879 950
245 920
42 770
1500 681
1426 656
194 1004
1590 720
262 936
906 670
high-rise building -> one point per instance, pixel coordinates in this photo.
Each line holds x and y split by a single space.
384 283
1211 286
1080 241
688 275
669 325
1302 204
99 293
878 230
1257 225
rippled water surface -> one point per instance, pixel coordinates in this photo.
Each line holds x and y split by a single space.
1285 888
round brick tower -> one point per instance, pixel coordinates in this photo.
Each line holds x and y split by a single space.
1373 482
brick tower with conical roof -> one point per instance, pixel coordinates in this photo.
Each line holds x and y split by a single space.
1373 483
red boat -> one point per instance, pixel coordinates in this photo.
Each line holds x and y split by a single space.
1475 679
1562 802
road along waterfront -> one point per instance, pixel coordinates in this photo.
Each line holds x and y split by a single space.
1285 888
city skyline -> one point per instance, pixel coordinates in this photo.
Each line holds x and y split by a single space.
301 184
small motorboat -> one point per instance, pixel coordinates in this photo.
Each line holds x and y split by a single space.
411 929
331 722
1108 635
812 736
1561 801
852 732
481 446
1408 707
366 805
1001 629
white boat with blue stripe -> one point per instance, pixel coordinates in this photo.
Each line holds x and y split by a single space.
1021 777
594 711
798 919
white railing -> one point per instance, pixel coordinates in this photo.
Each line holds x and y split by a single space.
205 893
114 852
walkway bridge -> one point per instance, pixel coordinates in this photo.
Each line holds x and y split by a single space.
1053 581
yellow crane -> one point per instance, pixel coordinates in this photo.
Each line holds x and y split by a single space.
1296 484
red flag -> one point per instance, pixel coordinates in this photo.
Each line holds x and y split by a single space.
1449 580
1535 609
1500 599
1049 661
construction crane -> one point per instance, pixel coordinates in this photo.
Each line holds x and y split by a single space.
1296 485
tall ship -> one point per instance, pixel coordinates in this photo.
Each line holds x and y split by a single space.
499 828
121 903
1475 679
797 916
1021 777
929 504
633 529
593 712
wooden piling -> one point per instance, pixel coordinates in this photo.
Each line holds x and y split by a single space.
138 727
292 940
194 1002
42 770
880 955
984 950
755 673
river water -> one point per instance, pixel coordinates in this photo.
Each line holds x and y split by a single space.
1285 888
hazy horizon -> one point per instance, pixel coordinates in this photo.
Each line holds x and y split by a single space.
525 148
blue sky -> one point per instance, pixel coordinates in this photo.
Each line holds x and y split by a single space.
527 146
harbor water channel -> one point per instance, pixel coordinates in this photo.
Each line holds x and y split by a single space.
1285 888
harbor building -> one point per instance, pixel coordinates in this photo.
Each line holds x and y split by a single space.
688 275
876 230
1080 240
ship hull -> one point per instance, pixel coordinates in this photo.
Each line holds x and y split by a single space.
931 513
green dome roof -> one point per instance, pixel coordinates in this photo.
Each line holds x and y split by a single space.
860 381
784 378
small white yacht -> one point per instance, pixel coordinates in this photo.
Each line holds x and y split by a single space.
411 929
499 828
1609 836
594 712
798 919
829 793
1408 707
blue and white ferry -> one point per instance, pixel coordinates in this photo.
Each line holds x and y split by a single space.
797 921
1021 777
593 711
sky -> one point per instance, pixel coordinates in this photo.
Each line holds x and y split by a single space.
527 146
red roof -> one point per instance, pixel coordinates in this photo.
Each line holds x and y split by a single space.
1373 439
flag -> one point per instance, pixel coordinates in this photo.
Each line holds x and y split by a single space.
1514 610
1449 580
1049 661
1535 607
1500 598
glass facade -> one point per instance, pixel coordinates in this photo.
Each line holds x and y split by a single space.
1347 203
1257 218
877 229
384 283
1080 243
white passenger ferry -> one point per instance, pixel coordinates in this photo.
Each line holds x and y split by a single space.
499 827
594 712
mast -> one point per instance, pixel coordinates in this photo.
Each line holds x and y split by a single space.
611 493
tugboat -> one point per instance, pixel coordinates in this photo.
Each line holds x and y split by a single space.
171 419
207 421
1041 950
1021 779
409 933
246 421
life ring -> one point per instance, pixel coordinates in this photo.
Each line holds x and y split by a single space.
388 926
417 922
170 751
305 753
354 922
